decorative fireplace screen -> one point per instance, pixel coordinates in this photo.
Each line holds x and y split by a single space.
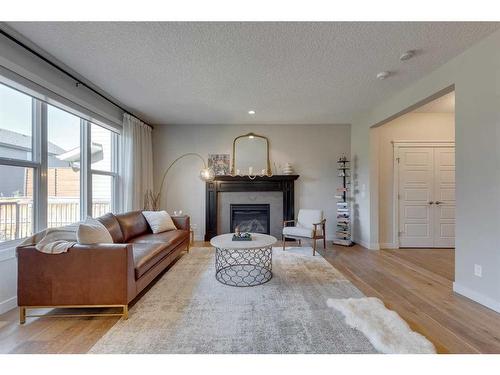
250 218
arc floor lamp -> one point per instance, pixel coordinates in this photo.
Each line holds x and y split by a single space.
152 201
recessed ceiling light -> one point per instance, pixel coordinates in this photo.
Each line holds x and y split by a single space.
383 75
407 55
252 112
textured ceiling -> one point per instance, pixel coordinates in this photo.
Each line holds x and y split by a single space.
213 73
443 104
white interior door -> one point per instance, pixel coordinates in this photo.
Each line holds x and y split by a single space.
416 174
444 197
426 196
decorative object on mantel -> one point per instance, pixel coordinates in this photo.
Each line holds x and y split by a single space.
251 156
288 169
152 201
219 163
343 231
277 168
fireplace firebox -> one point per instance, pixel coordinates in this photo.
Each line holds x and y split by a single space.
250 218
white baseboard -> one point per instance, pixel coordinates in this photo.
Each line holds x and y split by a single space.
8 304
373 246
388 245
477 297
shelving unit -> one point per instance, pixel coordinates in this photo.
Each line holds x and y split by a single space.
343 230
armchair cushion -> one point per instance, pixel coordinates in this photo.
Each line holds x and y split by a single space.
298 232
307 218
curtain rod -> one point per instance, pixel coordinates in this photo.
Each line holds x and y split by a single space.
77 80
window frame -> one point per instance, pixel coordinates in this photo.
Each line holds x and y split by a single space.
39 163
35 164
113 173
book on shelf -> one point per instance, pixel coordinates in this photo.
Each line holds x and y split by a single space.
343 225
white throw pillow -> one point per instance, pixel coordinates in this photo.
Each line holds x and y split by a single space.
159 221
92 231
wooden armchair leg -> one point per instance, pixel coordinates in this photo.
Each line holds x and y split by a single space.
324 242
22 314
314 246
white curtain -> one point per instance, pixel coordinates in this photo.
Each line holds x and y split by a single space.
136 167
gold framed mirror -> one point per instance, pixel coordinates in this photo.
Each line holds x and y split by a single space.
250 155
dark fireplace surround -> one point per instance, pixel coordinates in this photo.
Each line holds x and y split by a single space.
283 183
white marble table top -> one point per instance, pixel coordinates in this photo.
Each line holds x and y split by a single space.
225 241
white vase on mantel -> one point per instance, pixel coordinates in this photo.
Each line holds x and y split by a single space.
288 169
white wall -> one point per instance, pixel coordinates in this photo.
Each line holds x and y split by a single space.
312 149
475 75
8 280
409 127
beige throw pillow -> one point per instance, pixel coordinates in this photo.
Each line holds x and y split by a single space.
92 231
159 221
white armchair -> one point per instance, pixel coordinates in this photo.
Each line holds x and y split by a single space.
309 224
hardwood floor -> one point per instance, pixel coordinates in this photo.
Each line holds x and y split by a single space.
415 283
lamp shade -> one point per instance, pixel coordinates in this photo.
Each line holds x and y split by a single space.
207 174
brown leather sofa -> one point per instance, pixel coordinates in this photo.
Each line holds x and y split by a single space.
101 275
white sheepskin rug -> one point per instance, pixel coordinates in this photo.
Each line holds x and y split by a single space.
385 329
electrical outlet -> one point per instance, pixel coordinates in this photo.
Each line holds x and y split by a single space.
478 270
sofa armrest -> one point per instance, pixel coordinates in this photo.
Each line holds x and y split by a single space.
101 274
182 222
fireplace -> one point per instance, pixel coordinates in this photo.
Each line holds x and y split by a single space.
250 218
215 218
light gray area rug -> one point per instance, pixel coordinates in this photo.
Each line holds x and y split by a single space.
189 311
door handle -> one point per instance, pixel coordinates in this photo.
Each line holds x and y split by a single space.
431 202
438 202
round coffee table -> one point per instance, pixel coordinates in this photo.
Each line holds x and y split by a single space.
243 263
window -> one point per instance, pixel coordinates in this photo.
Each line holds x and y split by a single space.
18 170
63 161
15 124
16 202
104 170
55 167
102 194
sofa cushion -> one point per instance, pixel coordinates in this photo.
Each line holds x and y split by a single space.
147 254
132 224
159 221
170 238
92 231
113 227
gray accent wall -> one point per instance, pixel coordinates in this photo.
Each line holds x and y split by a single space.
312 149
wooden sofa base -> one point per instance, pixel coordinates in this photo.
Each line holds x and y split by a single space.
24 309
